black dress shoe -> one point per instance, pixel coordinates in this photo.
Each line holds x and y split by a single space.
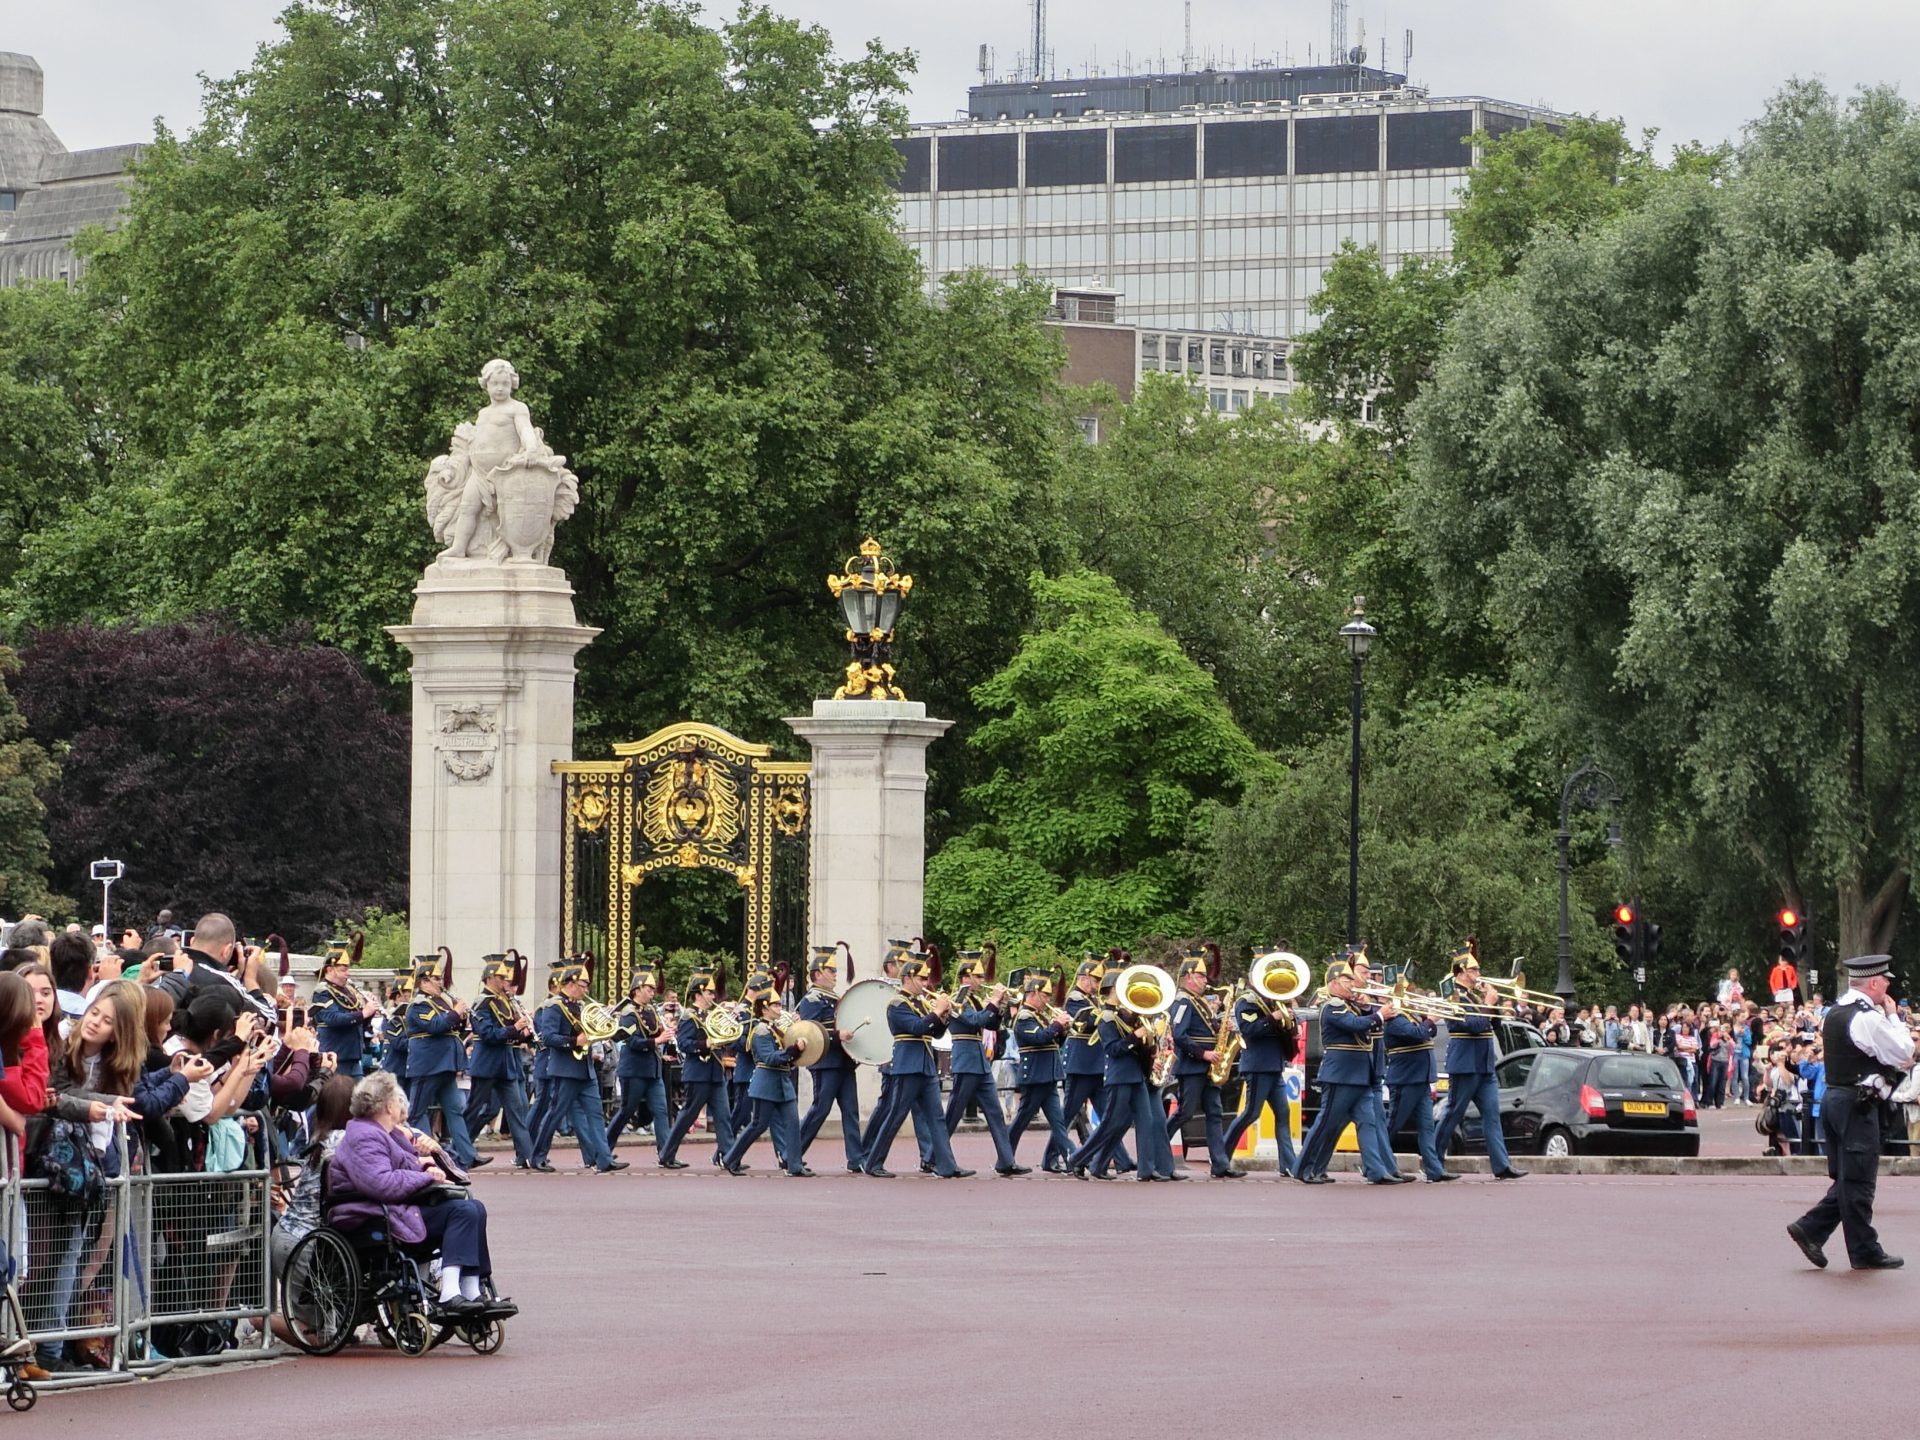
956 1175
1510 1174
1882 1261
1316 1179
478 1161
673 1164
460 1305
733 1169
617 1165
803 1173
1404 1179
1809 1246
542 1166
1442 1177
926 1167
1013 1170
856 1169
880 1172
1381 1180
1177 1175
1097 1175
1055 1169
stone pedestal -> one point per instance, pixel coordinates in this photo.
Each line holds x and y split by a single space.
869 830
493 666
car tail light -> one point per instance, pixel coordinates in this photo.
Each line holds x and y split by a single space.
1689 1113
1591 1102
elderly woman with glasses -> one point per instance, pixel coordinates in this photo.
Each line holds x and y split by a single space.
378 1173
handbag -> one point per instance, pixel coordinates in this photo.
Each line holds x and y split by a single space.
1768 1120
438 1194
64 1157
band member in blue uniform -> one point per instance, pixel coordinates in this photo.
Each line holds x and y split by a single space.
1129 1048
740 1074
542 1091
340 1013
700 1076
977 1011
643 1084
1347 1033
776 1104
1470 1060
1086 1062
1377 1159
435 1056
1040 1030
1270 1035
1869 1051
1412 1067
501 1034
834 1074
1195 1029
393 1050
570 1074
916 1021
898 953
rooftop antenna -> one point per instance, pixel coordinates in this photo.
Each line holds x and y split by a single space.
986 66
1359 53
1406 57
1186 50
1337 43
1039 39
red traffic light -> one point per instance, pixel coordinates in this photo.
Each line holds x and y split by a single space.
1789 919
1624 914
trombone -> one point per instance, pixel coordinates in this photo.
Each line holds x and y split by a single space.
1515 992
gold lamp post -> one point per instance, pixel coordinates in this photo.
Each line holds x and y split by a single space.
870 591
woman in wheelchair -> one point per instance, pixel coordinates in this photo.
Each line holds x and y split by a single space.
376 1175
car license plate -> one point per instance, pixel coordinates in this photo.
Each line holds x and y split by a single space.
1643 1107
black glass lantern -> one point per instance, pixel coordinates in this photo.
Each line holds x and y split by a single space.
871 592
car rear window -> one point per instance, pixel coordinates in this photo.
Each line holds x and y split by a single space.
1554 1070
1620 1072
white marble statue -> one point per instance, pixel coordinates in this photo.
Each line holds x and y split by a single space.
501 490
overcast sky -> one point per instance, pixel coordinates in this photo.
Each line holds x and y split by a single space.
1696 69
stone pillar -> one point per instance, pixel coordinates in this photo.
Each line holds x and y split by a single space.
868 866
493 650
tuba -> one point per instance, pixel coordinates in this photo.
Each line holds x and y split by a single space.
1145 993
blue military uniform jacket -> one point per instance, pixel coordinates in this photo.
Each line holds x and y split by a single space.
1270 1046
395 1055
433 1037
1470 1048
1346 1043
639 1054
556 1026
1039 1043
914 1031
821 1006
743 1061
971 1015
1410 1057
493 1039
1193 1035
1128 1060
772 1066
1083 1052
338 1024
698 1064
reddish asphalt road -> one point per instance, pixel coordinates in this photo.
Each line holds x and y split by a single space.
696 1304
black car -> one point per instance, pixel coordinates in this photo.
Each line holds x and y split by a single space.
1589 1102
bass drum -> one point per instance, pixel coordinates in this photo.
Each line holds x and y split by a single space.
862 1013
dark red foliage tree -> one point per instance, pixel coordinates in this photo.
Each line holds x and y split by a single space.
262 777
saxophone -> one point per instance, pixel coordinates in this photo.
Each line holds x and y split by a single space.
1227 1045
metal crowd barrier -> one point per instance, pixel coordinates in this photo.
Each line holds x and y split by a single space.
160 1274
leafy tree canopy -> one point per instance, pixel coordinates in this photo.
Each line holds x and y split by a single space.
25 771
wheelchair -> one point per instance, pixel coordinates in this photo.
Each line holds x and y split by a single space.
339 1280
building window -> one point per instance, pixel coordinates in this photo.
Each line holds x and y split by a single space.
1336 145
916 169
1239 401
1153 152
1075 157
1246 148
1217 400
1089 428
1150 352
979 162
1429 140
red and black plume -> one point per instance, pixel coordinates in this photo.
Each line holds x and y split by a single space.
519 963
1214 961
990 957
286 955
446 967
847 949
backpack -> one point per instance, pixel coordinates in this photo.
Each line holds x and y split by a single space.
226 1146
66 1160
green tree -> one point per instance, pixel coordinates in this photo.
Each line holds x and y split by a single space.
1377 338
26 770
682 236
1680 452
1105 744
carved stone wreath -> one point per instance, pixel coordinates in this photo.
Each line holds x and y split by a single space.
469 741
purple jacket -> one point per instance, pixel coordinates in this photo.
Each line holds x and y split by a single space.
380 1169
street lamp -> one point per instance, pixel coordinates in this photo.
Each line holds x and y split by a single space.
1359 637
871 592
1592 787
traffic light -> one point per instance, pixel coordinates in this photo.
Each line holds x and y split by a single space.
1793 936
1649 942
1626 936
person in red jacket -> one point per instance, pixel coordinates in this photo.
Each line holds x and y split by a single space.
1784 981
23 1048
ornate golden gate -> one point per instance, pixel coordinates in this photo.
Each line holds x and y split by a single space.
688 797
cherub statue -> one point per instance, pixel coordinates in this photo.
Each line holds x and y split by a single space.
500 488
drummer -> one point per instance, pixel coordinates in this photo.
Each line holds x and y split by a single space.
834 1074
775 1101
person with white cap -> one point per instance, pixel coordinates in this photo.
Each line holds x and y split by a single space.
1867 1049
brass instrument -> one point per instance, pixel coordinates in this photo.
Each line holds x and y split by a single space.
1515 992
1227 1043
596 1022
721 1025
1145 993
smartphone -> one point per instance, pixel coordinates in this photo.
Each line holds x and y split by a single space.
166 963
299 1017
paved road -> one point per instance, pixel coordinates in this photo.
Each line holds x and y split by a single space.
697 1304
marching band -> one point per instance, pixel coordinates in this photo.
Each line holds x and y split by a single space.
1140 1050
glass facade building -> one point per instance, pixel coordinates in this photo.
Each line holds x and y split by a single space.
1214 218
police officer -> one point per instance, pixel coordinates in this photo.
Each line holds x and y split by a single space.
776 1102
570 1075
434 1026
1271 1037
834 1074
915 1021
1085 1062
701 1078
643 1083
1347 1033
1470 1061
1039 1030
500 1035
1412 1067
340 1013
1867 1052
1194 1033
976 1011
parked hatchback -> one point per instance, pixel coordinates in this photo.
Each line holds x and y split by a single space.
1587 1102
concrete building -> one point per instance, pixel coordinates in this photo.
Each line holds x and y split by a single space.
48 193
1210 203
